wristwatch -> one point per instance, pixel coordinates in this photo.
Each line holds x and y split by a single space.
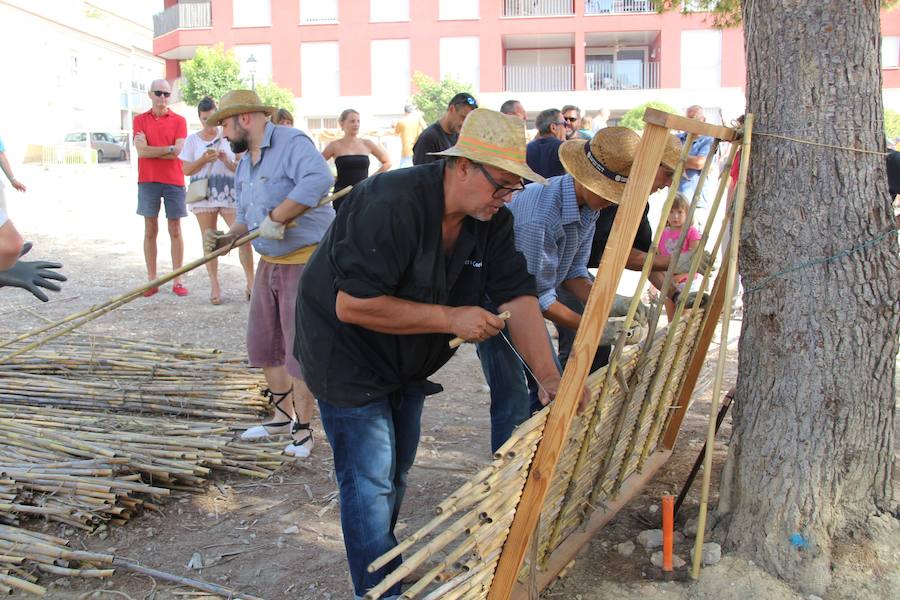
171 149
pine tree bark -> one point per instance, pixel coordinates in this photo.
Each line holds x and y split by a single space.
812 449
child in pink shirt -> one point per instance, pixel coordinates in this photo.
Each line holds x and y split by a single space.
669 240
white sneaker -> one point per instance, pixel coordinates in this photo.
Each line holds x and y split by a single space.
260 431
302 441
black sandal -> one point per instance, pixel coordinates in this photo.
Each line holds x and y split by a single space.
301 444
275 427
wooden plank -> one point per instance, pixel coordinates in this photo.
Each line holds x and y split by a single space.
572 545
664 119
559 421
698 358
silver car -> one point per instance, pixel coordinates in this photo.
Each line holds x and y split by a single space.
106 145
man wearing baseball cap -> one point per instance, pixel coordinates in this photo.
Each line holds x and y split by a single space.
281 178
410 258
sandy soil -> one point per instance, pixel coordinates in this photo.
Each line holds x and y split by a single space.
85 219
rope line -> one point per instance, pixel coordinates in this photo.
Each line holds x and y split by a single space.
765 281
812 143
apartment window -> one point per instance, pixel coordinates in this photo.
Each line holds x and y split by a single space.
321 123
260 69
890 52
320 70
318 11
252 13
460 60
388 10
701 58
449 10
390 69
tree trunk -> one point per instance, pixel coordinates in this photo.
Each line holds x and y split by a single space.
813 436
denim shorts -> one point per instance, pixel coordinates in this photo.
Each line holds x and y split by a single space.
150 194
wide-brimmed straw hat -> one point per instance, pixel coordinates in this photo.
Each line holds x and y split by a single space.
672 153
602 164
494 139
237 102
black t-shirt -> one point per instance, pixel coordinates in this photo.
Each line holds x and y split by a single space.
433 139
386 241
542 155
643 239
893 172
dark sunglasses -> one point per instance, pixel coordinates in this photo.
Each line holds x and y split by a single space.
160 93
571 119
469 100
500 191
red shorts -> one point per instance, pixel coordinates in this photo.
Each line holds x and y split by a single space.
270 327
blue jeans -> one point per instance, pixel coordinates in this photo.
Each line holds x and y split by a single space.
514 392
566 337
374 447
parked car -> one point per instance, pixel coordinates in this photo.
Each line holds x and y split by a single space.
106 144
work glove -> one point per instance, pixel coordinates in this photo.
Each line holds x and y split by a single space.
30 275
684 261
620 309
271 230
635 334
213 239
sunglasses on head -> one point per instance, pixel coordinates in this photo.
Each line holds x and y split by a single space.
161 93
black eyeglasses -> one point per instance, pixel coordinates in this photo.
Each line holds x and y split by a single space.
500 191
160 93
559 123
571 119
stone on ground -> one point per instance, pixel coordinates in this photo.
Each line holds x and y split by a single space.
657 560
712 554
625 548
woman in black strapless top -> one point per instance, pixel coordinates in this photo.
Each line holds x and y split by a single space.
351 154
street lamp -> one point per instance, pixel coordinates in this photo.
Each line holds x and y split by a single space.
251 68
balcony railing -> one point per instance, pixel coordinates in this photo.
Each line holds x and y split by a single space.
187 14
622 76
538 8
618 7
538 78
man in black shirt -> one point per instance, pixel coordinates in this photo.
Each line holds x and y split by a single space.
410 257
442 134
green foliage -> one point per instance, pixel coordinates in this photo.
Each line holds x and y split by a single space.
724 13
634 118
211 72
274 95
891 124
434 96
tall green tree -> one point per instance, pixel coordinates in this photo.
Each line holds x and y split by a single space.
434 96
274 95
211 72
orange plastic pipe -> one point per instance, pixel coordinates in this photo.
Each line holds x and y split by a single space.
668 522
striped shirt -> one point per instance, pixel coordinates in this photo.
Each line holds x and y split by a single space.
553 233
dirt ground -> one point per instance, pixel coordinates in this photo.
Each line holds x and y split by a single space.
242 527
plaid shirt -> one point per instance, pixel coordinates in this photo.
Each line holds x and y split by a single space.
553 233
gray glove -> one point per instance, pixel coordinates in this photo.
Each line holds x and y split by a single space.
620 309
30 275
635 334
213 239
271 230
684 261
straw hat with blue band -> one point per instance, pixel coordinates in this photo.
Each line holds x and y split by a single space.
237 102
603 164
495 139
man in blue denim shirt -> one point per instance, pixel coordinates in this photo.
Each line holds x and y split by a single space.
278 184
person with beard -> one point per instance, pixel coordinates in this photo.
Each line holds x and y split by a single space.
281 177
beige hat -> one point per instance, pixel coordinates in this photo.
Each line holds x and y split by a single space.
602 164
238 102
494 139
672 153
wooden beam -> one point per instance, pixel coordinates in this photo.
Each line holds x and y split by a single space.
572 545
664 119
559 421
698 358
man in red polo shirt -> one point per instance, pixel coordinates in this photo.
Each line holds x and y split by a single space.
158 137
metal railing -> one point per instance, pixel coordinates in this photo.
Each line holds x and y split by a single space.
60 154
538 78
187 14
618 7
612 76
538 8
